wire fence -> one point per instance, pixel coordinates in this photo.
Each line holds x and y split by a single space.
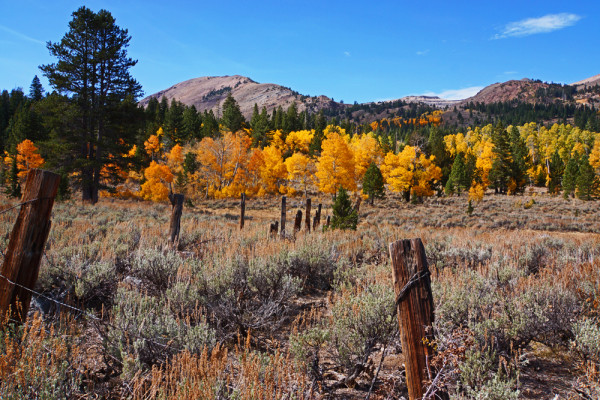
78 311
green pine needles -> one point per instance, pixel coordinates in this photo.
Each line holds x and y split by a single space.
344 216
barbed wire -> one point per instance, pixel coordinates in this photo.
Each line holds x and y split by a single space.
23 203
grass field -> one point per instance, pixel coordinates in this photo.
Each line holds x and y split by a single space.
233 314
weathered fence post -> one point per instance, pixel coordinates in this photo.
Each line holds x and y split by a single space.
176 210
282 223
242 210
414 303
317 220
298 221
26 244
328 221
273 229
307 220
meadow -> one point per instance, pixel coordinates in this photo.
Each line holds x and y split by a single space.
235 314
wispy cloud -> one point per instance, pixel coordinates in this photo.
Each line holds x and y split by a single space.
456 94
347 53
422 52
531 26
21 35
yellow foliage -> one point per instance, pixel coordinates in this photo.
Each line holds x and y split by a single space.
300 169
175 159
153 145
273 172
27 158
335 166
595 155
410 171
222 164
276 139
299 141
157 177
366 150
476 192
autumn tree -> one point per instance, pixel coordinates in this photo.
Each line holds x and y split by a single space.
221 163
410 172
27 158
93 69
300 170
158 178
335 165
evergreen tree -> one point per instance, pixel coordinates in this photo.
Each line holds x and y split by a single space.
191 124
320 125
373 183
520 161
344 216
556 169
290 122
163 107
260 126
232 119
210 125
36 90
586 182
501 171
569 180
173 125
14 190
93 68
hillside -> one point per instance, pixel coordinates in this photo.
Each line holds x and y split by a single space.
525 90
209 92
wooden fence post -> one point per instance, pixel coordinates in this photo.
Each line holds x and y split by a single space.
317 220
414 302
307 221
298 221
328 221
242 210
176 211
26 244
282 223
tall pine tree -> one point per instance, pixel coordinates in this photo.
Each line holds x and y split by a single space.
93 69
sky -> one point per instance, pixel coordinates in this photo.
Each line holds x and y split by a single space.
347 50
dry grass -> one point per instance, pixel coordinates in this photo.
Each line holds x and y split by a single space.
515 279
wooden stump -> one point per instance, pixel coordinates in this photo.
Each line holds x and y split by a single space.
282 222
414 301
26 244
242 210
176 211
273 229
298 221
307 221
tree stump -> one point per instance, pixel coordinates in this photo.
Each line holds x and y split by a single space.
273 228
26 244
298 221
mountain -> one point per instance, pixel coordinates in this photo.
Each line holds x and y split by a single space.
588 82
209 92
525 90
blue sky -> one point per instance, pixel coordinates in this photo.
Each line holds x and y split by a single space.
349 50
